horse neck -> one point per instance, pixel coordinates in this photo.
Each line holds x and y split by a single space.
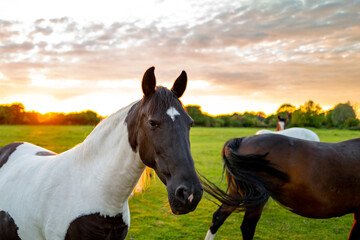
107 158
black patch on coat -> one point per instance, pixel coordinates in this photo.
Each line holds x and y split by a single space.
6 151
8 228
97 227
45 153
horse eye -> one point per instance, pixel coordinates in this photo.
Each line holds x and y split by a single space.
153 123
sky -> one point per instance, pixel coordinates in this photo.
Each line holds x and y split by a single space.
244 55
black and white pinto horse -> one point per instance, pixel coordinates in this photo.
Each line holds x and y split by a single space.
83 193
295 132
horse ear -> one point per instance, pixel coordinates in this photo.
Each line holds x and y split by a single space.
180 85
149 82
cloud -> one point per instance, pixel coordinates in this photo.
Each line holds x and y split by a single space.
244 46
6 30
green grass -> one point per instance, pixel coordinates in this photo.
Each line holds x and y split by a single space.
54 138
151 217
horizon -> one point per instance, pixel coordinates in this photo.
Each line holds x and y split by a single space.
239 56
355 107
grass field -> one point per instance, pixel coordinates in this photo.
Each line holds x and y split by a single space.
150 214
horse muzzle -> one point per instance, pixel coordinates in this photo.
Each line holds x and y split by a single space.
184 199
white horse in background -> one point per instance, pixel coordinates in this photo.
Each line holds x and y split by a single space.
294 132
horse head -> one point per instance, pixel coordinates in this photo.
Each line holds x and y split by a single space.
159 128
281 124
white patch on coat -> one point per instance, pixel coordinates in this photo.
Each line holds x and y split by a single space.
210 236
172 112
44 194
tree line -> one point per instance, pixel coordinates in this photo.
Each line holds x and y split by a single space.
343 115
15 114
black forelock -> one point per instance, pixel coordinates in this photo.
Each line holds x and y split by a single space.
161 100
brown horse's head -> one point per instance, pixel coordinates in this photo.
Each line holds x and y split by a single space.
159 127
281 124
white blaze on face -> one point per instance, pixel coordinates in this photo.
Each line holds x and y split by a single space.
172 112
281 125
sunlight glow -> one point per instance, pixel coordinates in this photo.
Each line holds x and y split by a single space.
41 103
127 83
39 80
198 84
102 102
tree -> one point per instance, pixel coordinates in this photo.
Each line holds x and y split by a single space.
82 118
261 116
3 114
329 122
271 120
196 114
352 123
286 110
12 114
286 107
341 113
309 115
31 118
15 114
226 120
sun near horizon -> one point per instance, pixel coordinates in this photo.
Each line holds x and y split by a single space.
51 105
106 97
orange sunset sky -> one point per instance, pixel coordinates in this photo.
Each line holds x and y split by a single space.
240 55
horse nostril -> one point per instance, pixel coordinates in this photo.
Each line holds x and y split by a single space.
182 194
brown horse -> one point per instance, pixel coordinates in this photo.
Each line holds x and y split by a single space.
311 179
281 124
